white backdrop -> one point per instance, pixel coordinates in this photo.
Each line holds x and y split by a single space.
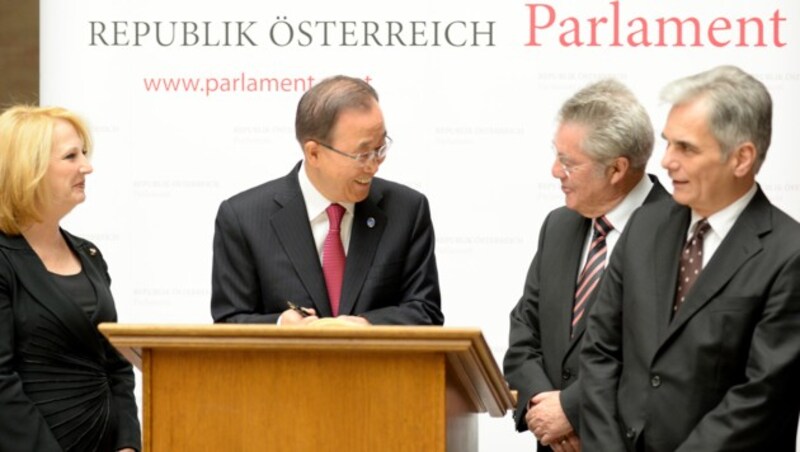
472 124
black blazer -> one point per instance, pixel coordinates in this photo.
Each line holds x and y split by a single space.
264 255
62 385
722 375
541 355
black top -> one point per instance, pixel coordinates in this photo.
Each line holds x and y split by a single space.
79 289
63 387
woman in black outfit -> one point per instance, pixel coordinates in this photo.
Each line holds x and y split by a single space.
62 385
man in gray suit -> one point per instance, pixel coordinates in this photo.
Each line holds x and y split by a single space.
602 146
693 343
330 238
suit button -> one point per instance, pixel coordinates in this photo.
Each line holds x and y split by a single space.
655 381
630 433
566 374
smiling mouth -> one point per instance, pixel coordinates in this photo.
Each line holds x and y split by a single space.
364 181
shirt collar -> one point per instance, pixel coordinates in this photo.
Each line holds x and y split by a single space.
316 202
721 222
621 213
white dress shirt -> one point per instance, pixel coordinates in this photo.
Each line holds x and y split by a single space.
721 223
316 204
618 217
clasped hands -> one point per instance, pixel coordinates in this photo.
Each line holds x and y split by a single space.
547 421
294 318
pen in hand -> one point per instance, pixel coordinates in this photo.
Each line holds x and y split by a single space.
299 309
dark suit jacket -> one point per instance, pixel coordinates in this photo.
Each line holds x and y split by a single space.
264 255
541 356
723 374
62 385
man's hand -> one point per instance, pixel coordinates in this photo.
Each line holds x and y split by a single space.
354 319
570 443
290 317
546 419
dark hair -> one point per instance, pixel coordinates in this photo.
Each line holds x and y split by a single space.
320 106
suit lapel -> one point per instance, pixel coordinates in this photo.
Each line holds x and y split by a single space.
294 232
741 244
39 284
104 308
581 326
369 222
573 250
670 238
656 193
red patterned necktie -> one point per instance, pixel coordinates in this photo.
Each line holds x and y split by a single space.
333 258
592 270
691 262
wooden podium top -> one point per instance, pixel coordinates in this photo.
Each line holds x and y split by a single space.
468 356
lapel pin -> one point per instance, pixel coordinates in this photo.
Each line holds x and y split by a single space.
370 222
92 251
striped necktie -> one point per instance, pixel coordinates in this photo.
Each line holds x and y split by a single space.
592 270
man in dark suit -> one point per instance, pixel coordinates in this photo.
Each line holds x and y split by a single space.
329 237
602 145
693 343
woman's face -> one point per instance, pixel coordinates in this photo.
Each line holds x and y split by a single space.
66 174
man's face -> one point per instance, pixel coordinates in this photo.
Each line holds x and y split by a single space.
701 178
585 184
337 177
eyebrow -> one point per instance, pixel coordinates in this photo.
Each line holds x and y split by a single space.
365 144
561 157
73 148
681 143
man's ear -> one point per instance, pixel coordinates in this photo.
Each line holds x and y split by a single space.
311 150
743 159
619 168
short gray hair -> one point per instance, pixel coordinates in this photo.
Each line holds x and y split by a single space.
740 107
320 106
619 126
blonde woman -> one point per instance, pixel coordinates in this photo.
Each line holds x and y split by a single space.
62 385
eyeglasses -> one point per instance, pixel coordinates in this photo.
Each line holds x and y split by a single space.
362 158
568 168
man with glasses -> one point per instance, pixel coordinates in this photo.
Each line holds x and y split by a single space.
602 145
329 239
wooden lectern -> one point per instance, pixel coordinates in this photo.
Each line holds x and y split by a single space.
262 387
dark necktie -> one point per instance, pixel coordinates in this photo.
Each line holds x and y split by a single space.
592 270
691 262
333 259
